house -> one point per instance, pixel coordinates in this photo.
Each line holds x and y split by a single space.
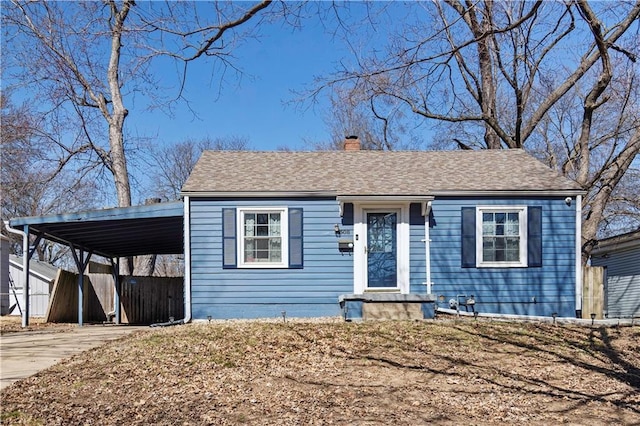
620 255
295 233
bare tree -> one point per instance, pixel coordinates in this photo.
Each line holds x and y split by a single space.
85 60
170 166
492 73
30 182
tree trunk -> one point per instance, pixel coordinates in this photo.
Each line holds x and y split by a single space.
119 113
145 266
596 206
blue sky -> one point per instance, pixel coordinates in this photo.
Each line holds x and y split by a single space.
258 107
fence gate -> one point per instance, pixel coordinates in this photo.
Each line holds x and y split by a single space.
592 292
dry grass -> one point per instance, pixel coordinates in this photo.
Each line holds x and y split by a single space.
271 373
13 324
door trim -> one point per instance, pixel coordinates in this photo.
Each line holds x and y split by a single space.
360 259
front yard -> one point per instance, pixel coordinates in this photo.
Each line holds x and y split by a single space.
331 372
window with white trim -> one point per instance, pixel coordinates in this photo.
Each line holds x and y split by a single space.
263 237
501 236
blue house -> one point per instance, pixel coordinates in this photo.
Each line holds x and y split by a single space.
310 234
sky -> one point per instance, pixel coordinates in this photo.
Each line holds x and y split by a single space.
259 107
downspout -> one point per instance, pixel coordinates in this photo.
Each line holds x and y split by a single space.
578 254
25 270
427 246
187 268
187 258
115 273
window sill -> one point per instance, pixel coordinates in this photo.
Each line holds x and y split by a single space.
263 266
501 265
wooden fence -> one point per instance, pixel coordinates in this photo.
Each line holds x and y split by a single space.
147 300
143 300
592 292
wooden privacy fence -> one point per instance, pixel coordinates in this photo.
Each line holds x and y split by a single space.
63 303
143 300
592 292
147 300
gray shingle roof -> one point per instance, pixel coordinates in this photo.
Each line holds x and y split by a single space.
372 172
45 270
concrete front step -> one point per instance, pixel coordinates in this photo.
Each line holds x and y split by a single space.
387 306
392 311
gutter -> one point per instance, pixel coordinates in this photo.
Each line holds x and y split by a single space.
258 194
419 197
187 259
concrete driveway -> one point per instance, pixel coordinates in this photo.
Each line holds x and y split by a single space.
23 354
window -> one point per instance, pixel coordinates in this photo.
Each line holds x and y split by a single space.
501 238
263 237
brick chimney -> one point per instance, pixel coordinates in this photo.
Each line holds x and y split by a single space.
352 143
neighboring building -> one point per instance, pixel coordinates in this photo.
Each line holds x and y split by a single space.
42 278
620 255
271 233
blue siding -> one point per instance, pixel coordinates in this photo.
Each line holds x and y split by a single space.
261 293
313 290
523 291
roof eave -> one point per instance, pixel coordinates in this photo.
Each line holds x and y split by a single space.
510 193
171 209
344 196
617 243
258 194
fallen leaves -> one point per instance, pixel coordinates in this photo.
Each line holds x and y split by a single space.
335 373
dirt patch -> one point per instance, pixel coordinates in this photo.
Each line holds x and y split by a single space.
474 372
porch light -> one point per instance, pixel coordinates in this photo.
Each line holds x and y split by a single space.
336 229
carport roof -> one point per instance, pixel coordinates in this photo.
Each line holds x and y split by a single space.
117 232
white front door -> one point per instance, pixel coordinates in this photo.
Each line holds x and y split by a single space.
381 249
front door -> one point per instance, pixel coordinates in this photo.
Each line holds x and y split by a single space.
382 249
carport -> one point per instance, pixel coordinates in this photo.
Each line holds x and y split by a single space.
111 233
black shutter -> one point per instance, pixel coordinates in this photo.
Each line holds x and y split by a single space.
229 246
347 214
468 237
295 238
415 214
534 237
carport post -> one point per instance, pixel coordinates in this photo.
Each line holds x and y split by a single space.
81 264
